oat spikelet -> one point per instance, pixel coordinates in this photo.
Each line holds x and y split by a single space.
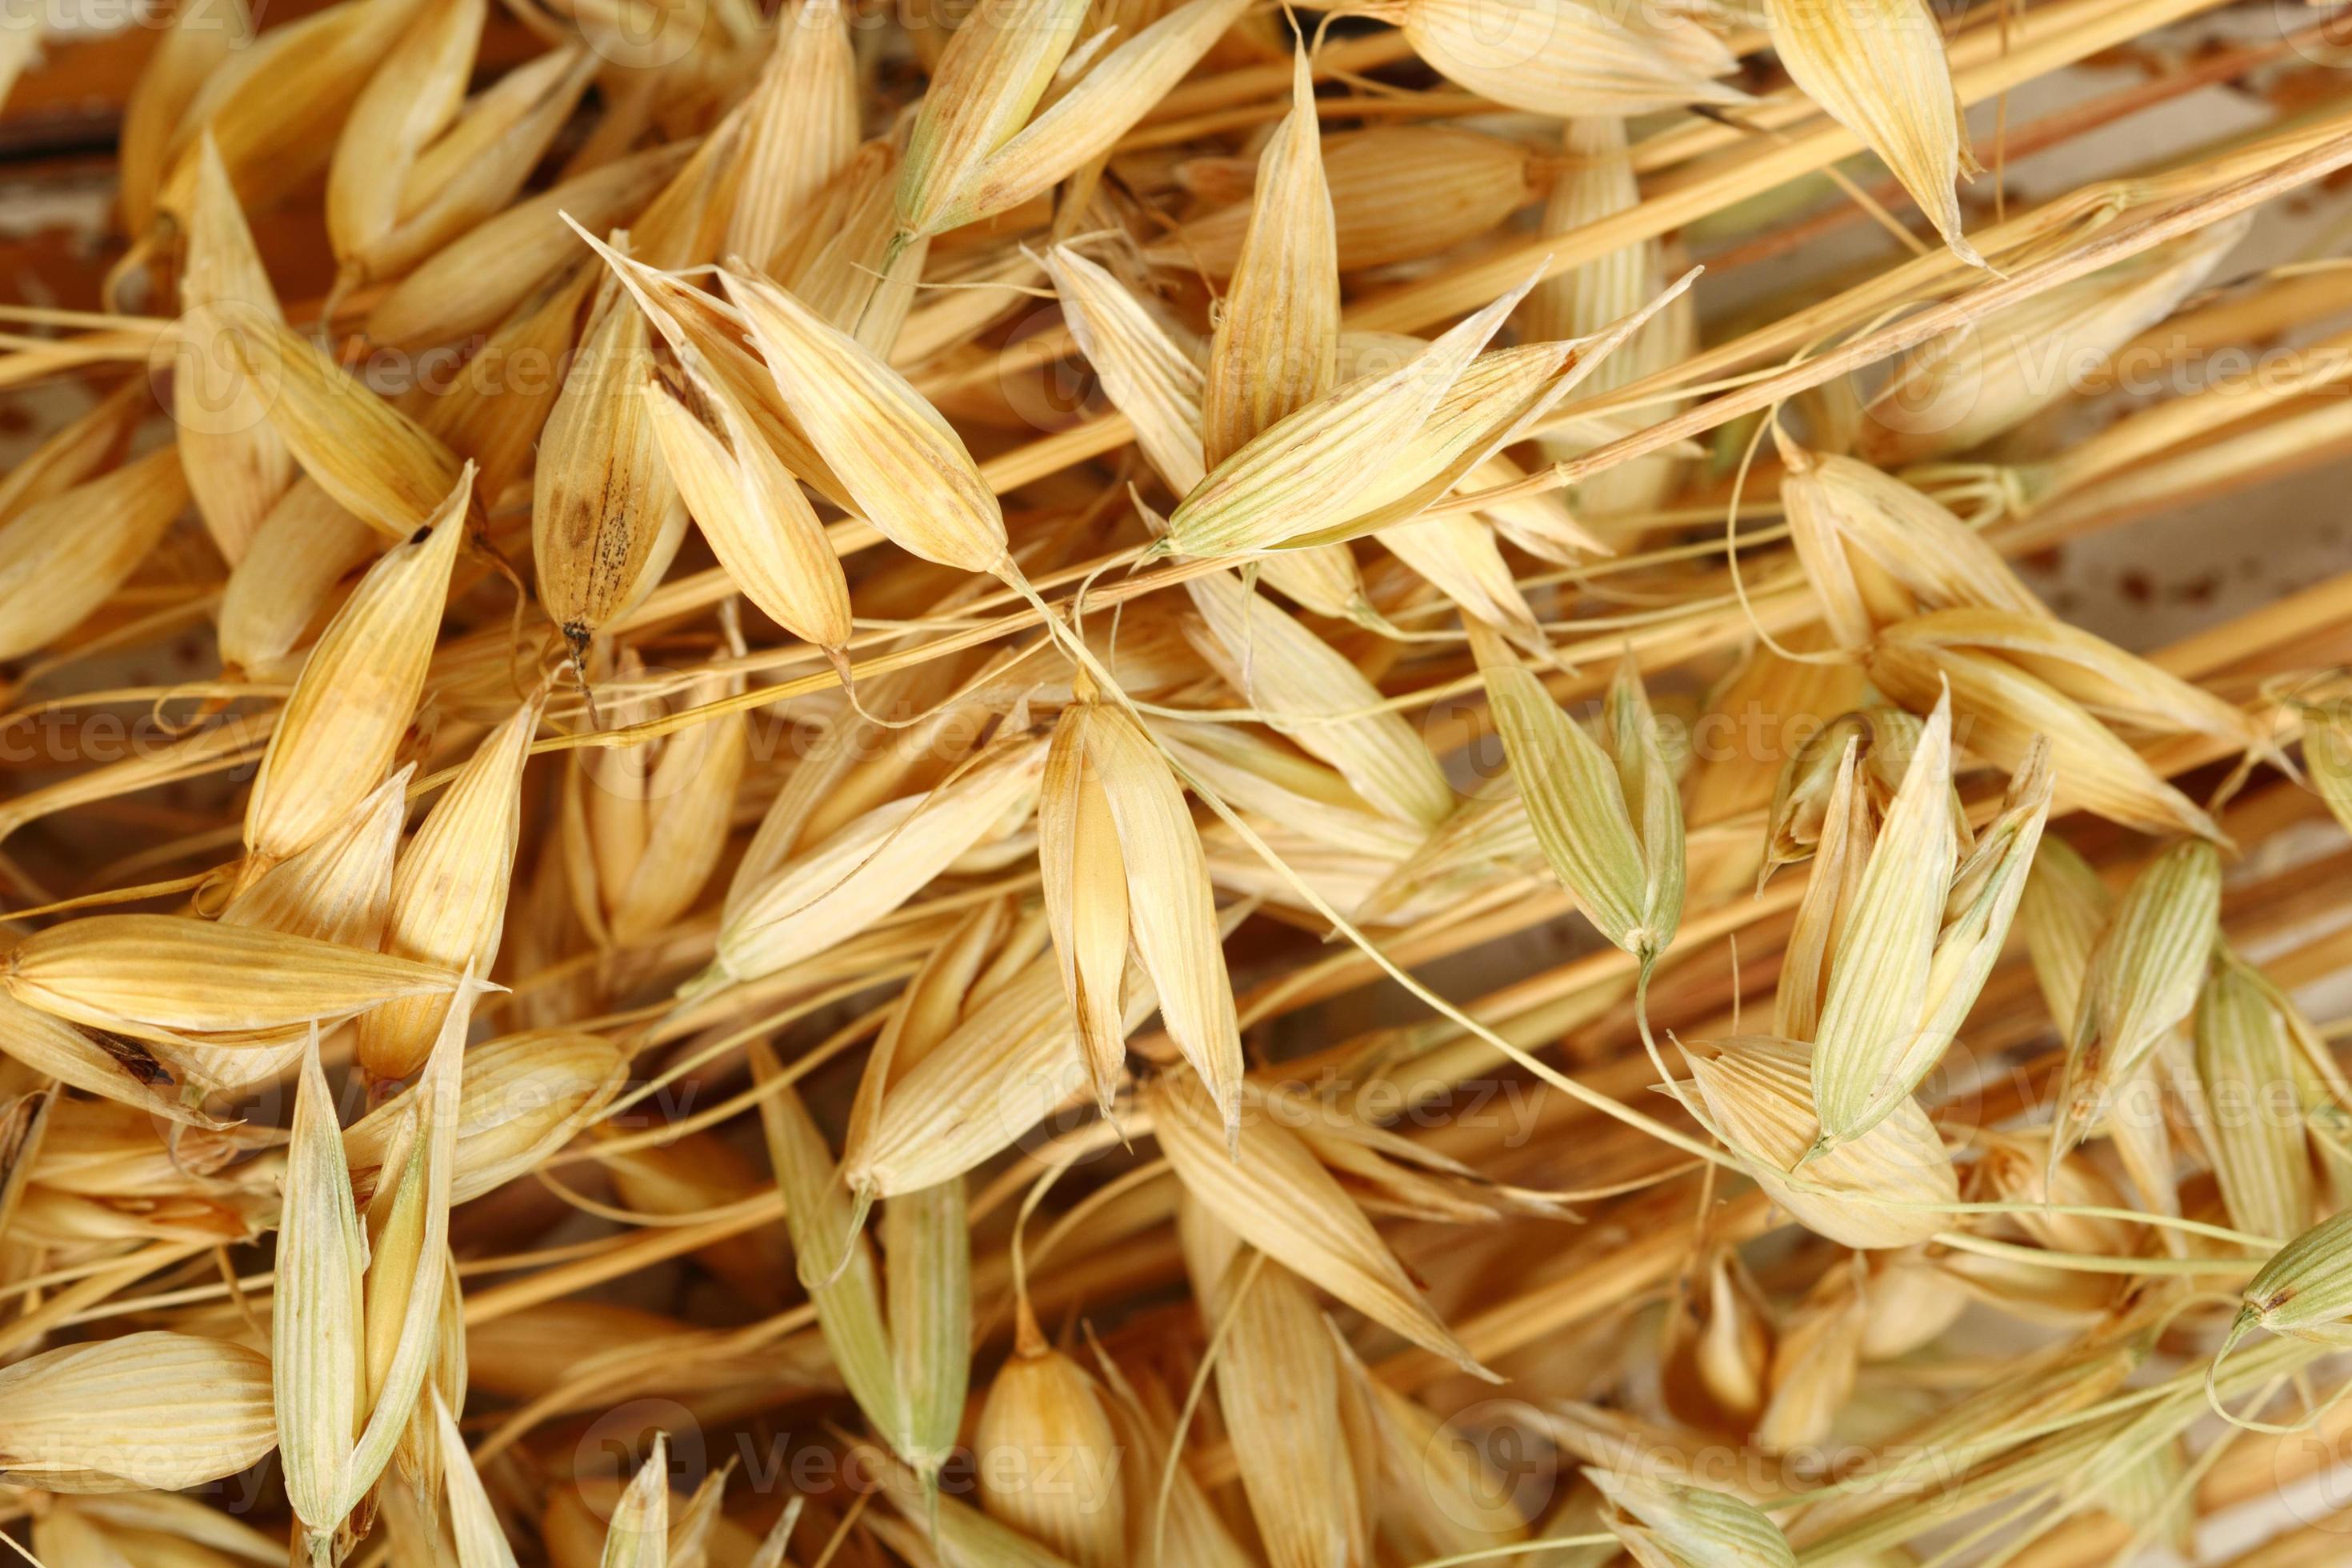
148 1410
1550 57
1301 473
834 1258
832 891
449 898
1276 344
1878 551
988 82
1270 1190
1054 1469
1877 67
475 281
749 507
1090 117
802 127
376 462
1608 815
237 465
1278 1389
1397 194
1875 1190
352 703
1669 1524
904 465
1961 388
2142 982
1309 692
161 976
61 558
2260 1156
605 515
1110 810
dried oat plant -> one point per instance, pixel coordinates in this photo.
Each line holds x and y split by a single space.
1060 783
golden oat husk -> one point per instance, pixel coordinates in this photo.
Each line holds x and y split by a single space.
24 1136
377 463
2253 1127
410 98
1397 194
1306 690
1276 348
340 888
319 1346
149 1410
1278 1391
1090 116
298 554
1877 997
1599 184
1007 1064
659 831
802 130
2007 708
357 692
236 463
1050 1462
986 84
903 464
115 1070
523 1099
2328 755
1954 392
1440 1496
1665 1523
193 50
1855 528
1155 380
749 507
926 1249
838 263
163 976
471 283
1267 776
1733 1346
276 107
356 1325
605 513
474 168
1878 68
1119 813
1195 1532
448 897
1302 474
62 558
1270 1190
1498 398
1083 868
1815 1361
638 1534
1880 1190
473 1528
1552 56
872 866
